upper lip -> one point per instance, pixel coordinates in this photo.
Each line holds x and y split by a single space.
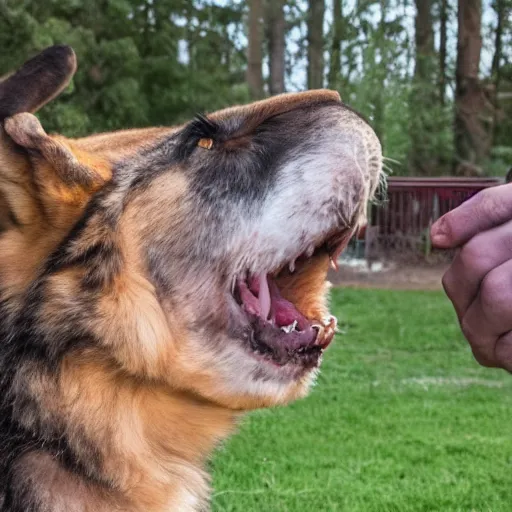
334 243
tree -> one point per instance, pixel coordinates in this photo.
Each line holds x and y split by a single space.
501 10
472 135
424 30
381 63
276 32
316 44
255 50
133 69
336 42
443 38
502 76
423 94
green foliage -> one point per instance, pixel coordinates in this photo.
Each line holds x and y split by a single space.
140 63
500 161
158 62
402 420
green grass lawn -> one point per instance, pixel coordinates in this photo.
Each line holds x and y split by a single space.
402 419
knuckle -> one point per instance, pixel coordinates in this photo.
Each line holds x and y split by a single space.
472 256
503 352
448 282
482 359
468 330
488 204
484 199
495 292
492 284
482 348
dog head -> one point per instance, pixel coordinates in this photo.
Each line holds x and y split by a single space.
201 257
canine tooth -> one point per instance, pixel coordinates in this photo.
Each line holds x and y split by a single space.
334 264
309 251
264 295
292 266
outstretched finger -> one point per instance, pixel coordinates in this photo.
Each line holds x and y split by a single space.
487 209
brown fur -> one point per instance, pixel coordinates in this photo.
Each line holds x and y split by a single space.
141 397
46 207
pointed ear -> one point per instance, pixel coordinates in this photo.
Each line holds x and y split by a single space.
38 81
64 174
45 184
26 131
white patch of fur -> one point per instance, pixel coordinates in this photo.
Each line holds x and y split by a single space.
185 501
325 187
236 368
316 192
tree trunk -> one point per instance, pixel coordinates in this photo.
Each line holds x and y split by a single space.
442 50
500 8
316 44
276 28
424 40
472 134
336 48
254 52
503 11
423 159
381 66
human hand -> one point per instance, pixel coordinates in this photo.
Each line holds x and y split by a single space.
479 280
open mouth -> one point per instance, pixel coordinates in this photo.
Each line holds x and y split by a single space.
286 326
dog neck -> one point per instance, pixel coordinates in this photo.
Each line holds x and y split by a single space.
134 440
135 446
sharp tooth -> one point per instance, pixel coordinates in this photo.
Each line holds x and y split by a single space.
309 251
334 264
289 328
292 266
264 295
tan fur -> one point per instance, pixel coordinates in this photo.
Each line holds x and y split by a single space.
47 215
146 397
155 442
67 492
156 437
259 111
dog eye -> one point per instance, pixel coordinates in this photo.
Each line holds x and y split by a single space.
205 143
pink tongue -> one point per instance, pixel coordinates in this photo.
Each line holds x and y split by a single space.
262 297
284 312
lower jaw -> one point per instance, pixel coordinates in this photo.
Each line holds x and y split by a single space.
298 364
286 364
306 358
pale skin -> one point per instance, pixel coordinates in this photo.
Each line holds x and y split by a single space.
479 280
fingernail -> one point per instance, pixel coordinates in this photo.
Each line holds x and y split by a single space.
439 233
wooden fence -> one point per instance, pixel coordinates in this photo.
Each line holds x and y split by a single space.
399 224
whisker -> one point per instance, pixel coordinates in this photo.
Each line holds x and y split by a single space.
387 159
